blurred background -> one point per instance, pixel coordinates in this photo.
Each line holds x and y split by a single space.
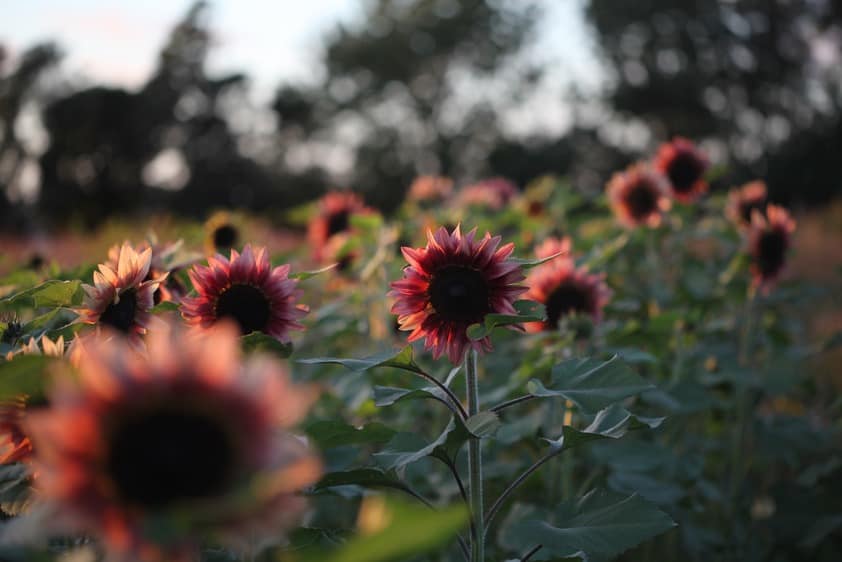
119 109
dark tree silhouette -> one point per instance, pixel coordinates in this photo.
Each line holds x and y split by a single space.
405 80
763 76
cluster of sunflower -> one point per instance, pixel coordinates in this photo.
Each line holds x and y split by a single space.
157 436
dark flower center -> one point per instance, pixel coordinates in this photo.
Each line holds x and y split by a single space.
159 457
565 299
224 237
247 305
459 294
641 201
338 222
748 207
771 252
684 171
120 315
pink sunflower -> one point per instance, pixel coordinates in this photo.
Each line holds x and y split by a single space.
154 453
248 290
769 240
565 289
639 196
744 200
452 283
492 193
685 165
122 295
334 218
430 189
162 266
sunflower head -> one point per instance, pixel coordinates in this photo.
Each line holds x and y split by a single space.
453 282
743 201
685 165
430 189
122 294
333 218
769 240
638 196
249 291
222 233
563 288
156 452
492 193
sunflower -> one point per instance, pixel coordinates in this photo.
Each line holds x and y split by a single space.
685 166
492 193
744 200
335 210
248 290
15 445
638 196
162 266
154 453
122 295
563 288
221 233
769 239
430 189
452 283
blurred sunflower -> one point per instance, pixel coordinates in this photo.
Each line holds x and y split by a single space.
638 196
154 453
122 294
563 288
769 239
335 210
493 194
744 200
15 445
247 290
685 166
430 189
452 283
222 233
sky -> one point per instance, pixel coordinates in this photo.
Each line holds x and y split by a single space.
115 42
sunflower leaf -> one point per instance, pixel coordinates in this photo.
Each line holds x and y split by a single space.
304 275
52 293
483 424
527 311
591 384
525 263
365 477
398 359
333 433
388 395
611 423
166 306
24 374
597 527
260 342
396 535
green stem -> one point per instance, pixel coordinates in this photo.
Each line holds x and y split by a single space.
742 398
475 462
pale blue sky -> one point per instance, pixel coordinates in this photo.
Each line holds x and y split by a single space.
116 41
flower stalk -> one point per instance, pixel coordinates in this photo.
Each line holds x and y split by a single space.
475 462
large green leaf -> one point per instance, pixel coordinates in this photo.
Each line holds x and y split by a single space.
591 384
366 477
388 395
408 531
333 433
527 311
399 359
50 293
406 448
598 527
260 342
24 374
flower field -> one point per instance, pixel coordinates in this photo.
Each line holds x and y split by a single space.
490 373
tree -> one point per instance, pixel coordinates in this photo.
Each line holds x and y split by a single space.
761 75
419 84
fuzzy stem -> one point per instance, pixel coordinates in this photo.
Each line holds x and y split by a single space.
475 462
